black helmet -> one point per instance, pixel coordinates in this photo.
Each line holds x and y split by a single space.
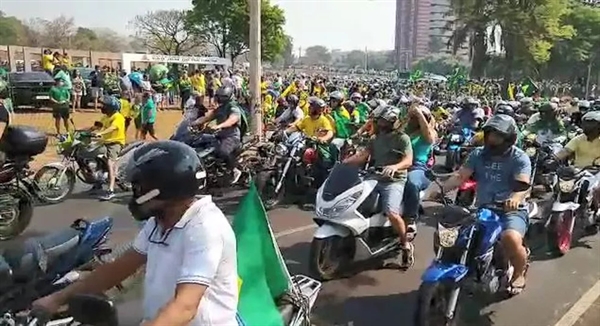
293 100
162 170
316 105
506 109
503 125
224 94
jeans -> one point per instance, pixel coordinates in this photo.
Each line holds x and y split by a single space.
415 183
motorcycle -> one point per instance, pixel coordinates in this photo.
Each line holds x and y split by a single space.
467 253
18 192
351 222
539 154
290 170
46 264
84 159
456 150
573 201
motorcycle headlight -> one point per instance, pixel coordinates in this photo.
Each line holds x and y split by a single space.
531 151
566 186
281 150
447 236
455 138
339 207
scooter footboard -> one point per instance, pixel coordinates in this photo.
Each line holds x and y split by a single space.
327 230
437 272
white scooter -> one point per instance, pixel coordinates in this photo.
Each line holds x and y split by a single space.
352 226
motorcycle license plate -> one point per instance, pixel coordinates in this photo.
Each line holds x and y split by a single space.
42 97
455 138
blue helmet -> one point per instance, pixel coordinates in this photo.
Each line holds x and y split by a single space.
111 104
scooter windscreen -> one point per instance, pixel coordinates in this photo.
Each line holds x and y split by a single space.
341 178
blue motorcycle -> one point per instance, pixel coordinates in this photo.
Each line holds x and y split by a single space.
467 256
456 149
43 265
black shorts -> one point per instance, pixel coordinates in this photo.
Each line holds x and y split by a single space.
61 111
148 128
137 122
211 93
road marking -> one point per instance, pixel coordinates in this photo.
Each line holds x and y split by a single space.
292 231
580 307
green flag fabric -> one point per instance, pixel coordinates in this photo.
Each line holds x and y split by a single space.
416 75
263 276
528 87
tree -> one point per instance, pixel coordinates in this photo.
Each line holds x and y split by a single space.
317 55
439 64
436 44
225 24
165 31
12 30
288 52
356 58
59 32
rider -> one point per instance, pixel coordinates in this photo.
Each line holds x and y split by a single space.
586 148
376 106
340 119
582 108
391 151
496 167
187 245
422 135
526 106
548 126
361 106
501 108
470 115
292 114
229 120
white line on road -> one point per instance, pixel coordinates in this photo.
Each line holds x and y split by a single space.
292 231
580 307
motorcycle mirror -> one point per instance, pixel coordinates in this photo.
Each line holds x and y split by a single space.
92 309
519 186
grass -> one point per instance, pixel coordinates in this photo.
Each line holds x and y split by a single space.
42 119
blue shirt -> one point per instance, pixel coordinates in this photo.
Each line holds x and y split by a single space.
421 149
495 175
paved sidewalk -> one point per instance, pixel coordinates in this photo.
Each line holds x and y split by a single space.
591 317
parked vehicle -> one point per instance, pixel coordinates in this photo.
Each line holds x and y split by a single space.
573 206
352 226
467 252
82 159
30 88
46 264
18 193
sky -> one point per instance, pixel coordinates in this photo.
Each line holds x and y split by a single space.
336 24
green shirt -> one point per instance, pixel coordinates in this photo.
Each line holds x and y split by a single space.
388 149
60 94
148 112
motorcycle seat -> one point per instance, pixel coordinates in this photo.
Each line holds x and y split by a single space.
205 152
36 254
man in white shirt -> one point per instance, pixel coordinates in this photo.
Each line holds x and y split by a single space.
187 245
292 114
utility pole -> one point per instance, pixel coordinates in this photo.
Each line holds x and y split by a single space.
255 67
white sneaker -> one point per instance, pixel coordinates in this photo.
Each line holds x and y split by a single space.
236 175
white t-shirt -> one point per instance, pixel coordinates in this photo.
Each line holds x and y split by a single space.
199 249
290 115
227 82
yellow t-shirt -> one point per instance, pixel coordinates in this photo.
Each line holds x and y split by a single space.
47 60
125 108
116 136
312 127
585 151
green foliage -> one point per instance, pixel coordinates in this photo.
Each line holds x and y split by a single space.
225 24
316 55
12 31
440 65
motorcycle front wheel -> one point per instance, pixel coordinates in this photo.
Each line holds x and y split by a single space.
330 257
432 304
16 210
52 190
266 182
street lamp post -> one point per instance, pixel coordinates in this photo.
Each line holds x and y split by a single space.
255 67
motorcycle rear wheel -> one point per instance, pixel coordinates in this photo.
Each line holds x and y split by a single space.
558 234
432 304
22 212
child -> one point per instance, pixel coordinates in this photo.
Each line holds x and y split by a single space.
148 116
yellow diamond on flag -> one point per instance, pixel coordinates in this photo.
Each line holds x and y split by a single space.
240 285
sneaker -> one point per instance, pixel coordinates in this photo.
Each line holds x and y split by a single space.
108 195
407 256
411 231
236 175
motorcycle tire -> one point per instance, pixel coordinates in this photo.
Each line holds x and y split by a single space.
340 258
23 212
55 171
266 181
428 296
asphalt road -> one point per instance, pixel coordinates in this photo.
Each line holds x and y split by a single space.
372 297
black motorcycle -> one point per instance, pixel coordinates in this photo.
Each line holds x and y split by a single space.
18 192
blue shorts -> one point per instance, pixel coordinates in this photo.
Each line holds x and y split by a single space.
391 196
517 221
